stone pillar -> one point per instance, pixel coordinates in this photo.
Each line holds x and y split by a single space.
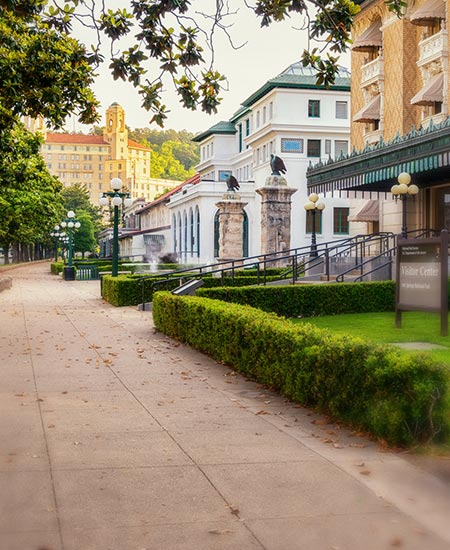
275 215
231 217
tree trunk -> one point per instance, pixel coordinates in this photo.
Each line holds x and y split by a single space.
6 253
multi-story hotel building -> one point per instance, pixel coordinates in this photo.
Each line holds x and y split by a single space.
94 160
400 98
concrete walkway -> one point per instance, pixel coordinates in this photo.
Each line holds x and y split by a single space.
114 437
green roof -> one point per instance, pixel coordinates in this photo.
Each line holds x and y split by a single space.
222 127
299 77
239 113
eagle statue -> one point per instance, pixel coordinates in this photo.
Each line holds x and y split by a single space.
232 183
277 165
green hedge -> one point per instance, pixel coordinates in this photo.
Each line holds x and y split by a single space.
402 398
126 290
309 300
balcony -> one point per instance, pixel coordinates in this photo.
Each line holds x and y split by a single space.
433 48
372 136
372 72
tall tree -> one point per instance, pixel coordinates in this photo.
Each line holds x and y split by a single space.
76 198
45 70
84 239
31 203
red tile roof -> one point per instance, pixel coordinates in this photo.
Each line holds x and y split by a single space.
193 180
136 145
76 139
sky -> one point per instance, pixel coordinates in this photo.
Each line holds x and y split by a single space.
264 54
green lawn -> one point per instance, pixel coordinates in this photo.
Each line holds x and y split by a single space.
380 327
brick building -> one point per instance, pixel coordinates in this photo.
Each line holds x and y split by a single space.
400 123
94 160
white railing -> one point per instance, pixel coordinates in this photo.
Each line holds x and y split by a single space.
372 71
373 136
432 48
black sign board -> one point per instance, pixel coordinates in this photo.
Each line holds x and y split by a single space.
422 277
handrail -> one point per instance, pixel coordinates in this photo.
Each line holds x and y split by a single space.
298 260
340 277
381 266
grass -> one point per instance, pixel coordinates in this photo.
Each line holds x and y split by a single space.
380 328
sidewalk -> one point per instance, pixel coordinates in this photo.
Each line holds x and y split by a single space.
114 437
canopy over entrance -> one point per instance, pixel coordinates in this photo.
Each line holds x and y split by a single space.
424 153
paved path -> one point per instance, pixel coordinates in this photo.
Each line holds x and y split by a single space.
114 437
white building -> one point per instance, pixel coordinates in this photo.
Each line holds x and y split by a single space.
288 116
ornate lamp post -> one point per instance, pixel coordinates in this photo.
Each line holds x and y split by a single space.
116 198
56 234
313 206
70 222
402 190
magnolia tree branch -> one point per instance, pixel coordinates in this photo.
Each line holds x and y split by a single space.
170 38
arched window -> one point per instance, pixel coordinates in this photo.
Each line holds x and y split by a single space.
174 234
185 235
216 234
197 239
179 235
245 235
191 232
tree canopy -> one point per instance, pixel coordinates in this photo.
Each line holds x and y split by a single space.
30 197
76 198
45 70
174 154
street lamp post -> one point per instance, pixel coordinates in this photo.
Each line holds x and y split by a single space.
313 206
402 190
116 198
56 234
70 222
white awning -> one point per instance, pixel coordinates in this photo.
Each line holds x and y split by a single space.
368 40
370 212
431 10
431 93
369 112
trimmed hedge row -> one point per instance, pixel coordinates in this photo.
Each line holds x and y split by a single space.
311 300
126 290
402 398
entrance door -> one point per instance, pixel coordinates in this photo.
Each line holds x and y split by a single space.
442 208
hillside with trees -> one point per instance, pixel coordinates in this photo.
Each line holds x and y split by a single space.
174 154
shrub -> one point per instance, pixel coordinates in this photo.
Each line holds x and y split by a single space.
56 268
126 290
309 300
402 398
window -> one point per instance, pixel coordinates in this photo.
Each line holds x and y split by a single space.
341 109
257 119
313 149
291 145
340 148
340 221
247 127
271 110
264 115
314 108
223 174
240 137
328 146
317 218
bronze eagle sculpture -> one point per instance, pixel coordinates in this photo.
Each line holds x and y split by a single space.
232 183
277 165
